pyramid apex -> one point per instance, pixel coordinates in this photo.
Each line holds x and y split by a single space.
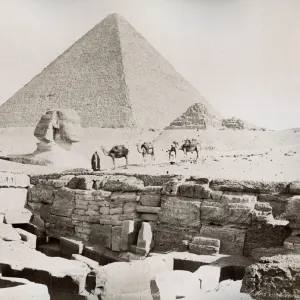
115 16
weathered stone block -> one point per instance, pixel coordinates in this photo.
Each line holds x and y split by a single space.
150 200
80 212
104 210
278 202
64 211
293 211
93 219
129 216
69 246
219 213
180 212
168 237
268 235
123 183
64 221
231 239
292 243
186 189
42 193
116 237
101 234
116 211
17 216
124 197
84 182
202 192
111 222
129 207
81 218
147 209
81 229
8 233
294 187
245 199
12 198
247 186
203 249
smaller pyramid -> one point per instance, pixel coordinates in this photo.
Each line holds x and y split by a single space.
197 116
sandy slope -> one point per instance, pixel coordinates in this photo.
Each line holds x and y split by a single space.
254 155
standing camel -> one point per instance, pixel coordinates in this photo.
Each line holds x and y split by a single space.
118 151
190 146
146 149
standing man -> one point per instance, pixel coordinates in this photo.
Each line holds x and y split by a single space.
96 162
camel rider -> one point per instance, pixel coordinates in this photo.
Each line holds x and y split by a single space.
95 161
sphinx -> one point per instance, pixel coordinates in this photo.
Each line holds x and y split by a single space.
57 132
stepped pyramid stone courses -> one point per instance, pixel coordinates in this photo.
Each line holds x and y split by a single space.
112 77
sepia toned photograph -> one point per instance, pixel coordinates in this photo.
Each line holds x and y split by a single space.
149 149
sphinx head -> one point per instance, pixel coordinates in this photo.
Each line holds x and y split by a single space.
59 126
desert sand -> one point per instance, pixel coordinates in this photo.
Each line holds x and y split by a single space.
232 154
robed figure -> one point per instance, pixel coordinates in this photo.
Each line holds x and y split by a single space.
96 162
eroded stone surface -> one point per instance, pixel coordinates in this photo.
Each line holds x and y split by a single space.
279 271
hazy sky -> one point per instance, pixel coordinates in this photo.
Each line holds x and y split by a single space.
242 55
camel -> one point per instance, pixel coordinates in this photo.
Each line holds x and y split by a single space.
117 151
145 149
190 146
187 146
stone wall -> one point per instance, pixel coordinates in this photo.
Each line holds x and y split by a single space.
200 215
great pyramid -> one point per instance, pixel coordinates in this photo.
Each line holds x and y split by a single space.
112 77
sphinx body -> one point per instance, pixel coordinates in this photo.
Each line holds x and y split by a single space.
56 132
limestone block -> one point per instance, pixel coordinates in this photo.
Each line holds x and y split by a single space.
101 234
144 240
204 246
180 212
168 237
209 276
104 210
121 197
272 234
279 271
186 189
203 192
69 246
278 202
17 180
220 213
129 207
101 195
111 222
123 183
8 233
17 216
175 285
245 199
116 237
116 211
294 187
81 229
149 217
248 186
231 239
128 235
12 198
115 282
42 193
293 211
150 200
27 237
147 209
